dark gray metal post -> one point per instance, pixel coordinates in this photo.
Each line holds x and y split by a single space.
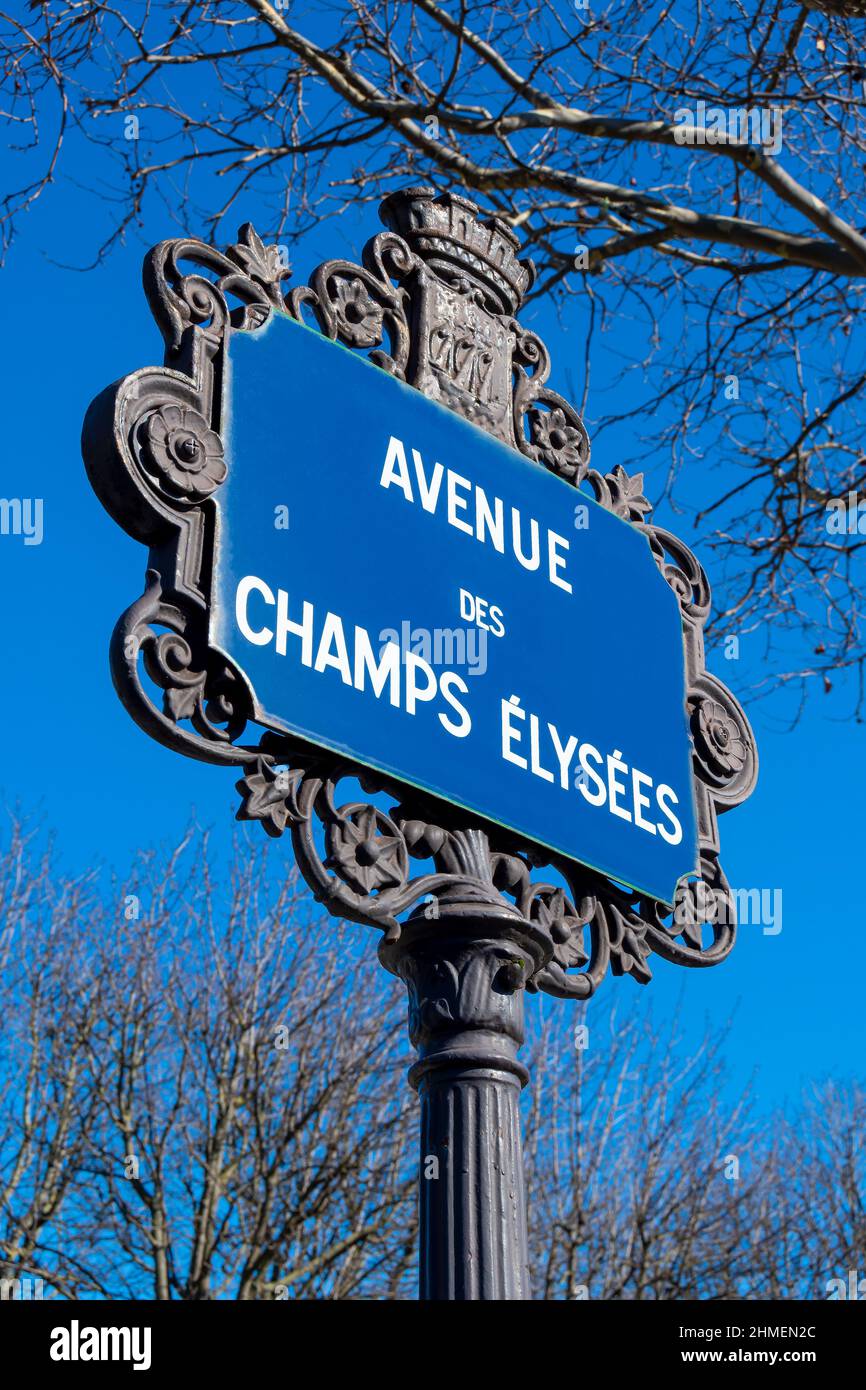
465 970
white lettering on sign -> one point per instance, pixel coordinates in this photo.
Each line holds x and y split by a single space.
470 510
603 780
326 644
475 609
330 645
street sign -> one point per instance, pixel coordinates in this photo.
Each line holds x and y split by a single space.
390 563
397 585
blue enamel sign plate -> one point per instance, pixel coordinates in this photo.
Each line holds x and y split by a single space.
400 587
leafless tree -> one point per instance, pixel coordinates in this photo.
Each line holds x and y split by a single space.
647 1183
46 1105
199 1102
644 1181
812 1235
203 1096
692 172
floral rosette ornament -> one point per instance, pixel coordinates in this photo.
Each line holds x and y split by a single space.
560 445
358 315
721 738
184 452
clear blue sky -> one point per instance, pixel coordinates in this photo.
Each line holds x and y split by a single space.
74 757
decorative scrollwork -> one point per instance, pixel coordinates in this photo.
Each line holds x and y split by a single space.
359 305
683 572
704 904
248 272
199 687
433 303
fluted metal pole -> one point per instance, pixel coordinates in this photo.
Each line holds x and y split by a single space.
465 972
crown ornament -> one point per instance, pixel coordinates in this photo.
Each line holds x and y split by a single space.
451 235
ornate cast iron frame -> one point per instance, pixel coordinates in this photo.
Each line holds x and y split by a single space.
433 303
